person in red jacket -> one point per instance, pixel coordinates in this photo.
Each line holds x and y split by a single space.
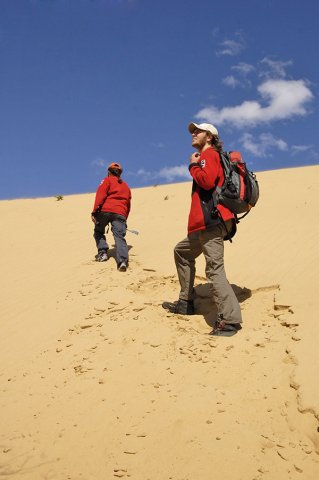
207 230
112 206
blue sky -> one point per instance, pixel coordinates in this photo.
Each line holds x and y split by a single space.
87 82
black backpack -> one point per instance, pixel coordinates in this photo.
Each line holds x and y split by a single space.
240 190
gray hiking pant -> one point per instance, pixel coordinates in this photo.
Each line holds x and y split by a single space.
211 244
118 227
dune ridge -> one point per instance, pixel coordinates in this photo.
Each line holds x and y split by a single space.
98 381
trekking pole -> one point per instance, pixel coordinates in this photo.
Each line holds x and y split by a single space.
133 231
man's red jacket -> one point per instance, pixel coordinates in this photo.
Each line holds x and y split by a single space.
114 195
207 174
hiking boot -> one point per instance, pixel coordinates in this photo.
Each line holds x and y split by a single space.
101 256
224 329
122 267
183 307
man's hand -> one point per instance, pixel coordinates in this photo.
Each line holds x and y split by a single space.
194 158
93 218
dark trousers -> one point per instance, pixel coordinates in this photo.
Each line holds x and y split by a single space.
118 228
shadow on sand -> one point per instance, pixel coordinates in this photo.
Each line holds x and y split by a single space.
204 304
112 251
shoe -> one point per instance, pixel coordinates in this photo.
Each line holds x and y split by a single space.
224 329
122 267
101 256
183 307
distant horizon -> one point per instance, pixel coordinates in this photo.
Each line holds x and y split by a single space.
146 186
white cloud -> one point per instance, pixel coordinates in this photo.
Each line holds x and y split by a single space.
230 81
261 146
243 68
169 174
142 173
231 47
300 149
99 162
276 68
173 173
286 99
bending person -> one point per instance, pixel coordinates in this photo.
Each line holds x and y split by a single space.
112 206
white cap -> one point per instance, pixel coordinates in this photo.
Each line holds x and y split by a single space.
206 127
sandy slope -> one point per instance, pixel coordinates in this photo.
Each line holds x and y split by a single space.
99 382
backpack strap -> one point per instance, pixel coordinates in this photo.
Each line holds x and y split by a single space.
215 195
229 233
239 218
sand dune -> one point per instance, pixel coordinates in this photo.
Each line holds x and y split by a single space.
99 382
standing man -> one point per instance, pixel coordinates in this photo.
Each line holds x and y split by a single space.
207 229
112 205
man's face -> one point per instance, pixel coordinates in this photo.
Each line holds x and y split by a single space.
200 138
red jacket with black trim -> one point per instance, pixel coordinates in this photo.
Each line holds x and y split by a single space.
207 175
114 195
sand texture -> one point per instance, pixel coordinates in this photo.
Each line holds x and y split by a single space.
98 382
